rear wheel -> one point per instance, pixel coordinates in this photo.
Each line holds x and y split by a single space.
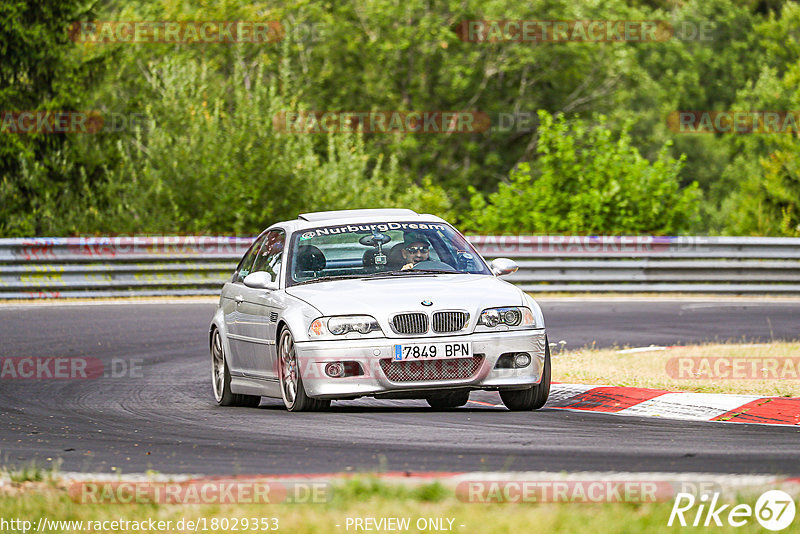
221 378
448 400
534 397
292 390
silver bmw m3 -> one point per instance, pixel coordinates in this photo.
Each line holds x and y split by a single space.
385 303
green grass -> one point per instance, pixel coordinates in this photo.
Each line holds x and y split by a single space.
366 497
362 488
32 472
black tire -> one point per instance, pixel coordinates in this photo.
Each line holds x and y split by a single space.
291 382
534 397
221 378
446 401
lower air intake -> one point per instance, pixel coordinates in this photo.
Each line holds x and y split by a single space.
432 370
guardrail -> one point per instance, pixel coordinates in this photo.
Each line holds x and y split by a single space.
199 265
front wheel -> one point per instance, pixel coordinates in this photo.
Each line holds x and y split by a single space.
534 397
221 378
292 390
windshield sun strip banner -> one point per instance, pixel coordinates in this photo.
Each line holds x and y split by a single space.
374 227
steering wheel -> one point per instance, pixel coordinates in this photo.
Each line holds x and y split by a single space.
374 240
433 264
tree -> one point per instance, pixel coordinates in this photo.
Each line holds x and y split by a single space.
585 179
222 165
766 199
762 181
39 70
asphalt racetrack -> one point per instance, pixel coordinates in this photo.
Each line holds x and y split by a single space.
161 414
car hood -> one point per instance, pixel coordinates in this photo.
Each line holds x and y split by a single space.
385 295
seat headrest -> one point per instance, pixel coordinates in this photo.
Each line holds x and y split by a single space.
309 258
395 257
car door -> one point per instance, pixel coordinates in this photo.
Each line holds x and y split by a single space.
259 311
232 299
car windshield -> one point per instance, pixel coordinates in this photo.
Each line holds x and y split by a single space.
380 249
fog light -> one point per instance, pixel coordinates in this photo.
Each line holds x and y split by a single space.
522 359
335 370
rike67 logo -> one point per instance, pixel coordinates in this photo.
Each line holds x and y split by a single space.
774 510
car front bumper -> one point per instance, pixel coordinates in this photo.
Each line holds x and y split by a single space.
378 378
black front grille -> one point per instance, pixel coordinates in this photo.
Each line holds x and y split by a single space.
416 371
449 321
410 323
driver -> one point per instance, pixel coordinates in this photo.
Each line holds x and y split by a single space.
415 249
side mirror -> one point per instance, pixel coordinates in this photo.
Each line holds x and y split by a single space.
500 267
260 280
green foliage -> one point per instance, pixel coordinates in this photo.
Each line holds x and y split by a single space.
715 51
220 165
762 178
208 158
767 201
409 55
774 206
586 180
32 472
39 70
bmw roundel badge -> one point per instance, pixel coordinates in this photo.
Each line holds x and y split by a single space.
427 303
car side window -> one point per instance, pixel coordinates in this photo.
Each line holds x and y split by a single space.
270 256
245 266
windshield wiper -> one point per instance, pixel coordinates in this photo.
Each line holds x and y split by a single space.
435 271
328 278
398 272
385 274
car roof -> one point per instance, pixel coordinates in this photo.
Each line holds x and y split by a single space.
333 218
338 214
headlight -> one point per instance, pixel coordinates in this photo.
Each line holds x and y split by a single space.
338 326
511 316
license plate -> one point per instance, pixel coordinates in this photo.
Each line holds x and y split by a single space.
432 351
